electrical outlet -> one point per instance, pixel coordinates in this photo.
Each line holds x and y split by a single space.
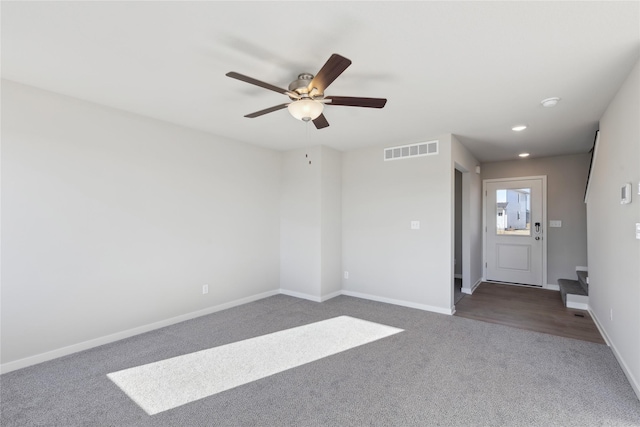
205 289
346 274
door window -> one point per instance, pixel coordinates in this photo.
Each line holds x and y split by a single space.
513 212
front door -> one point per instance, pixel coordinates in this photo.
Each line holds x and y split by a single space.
514 231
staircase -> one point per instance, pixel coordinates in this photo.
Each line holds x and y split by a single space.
575 293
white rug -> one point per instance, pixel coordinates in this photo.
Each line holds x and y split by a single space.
163 385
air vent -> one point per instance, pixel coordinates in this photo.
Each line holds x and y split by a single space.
414 150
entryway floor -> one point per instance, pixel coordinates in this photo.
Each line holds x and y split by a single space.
523 307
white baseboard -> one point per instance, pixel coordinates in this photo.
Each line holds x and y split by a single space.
597 323
581 268
635 384
310 297
329 296
86 345
301 295
552 287
470 290
399 302
368 297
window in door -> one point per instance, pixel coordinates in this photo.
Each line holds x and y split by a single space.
513 212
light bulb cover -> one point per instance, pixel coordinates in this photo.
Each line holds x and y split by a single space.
305 109
519 128
523 154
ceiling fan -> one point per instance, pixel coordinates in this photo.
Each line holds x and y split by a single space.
307 93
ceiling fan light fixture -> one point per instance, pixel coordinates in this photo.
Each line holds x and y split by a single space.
306 109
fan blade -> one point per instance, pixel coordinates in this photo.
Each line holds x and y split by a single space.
329 72
266 110
253 81
321 122
351 101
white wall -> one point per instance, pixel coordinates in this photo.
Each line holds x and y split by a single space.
462 160
300 223
111 221
614 252
386 260
310 225
331 221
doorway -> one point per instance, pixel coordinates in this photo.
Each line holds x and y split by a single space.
457 258
514 219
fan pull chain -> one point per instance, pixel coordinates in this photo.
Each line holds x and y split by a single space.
306 126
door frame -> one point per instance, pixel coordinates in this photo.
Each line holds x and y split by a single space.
544 222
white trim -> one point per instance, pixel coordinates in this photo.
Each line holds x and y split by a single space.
310 297
399 302
552 287
86 345
577 305
581 268
602 332
635 384
544 220
469 291
301 295
581 302
329 296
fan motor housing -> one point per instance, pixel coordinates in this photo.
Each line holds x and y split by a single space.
301 85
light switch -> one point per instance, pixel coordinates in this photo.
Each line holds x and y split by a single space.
415 225
555 223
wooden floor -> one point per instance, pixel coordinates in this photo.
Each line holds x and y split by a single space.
523 307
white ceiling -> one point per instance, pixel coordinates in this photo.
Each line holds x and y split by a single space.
473 69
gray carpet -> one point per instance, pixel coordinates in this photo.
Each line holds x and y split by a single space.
442 370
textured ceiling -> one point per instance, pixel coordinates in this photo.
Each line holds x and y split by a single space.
473 69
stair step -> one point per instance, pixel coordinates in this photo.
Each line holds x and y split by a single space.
572 287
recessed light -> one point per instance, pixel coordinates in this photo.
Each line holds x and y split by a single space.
519 128
523 154
550 102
